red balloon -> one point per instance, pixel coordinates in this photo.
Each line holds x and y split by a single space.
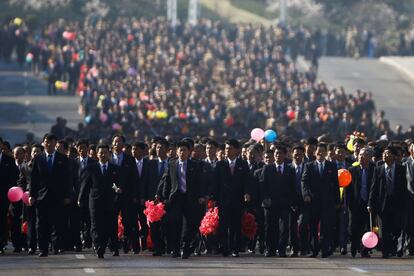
25 228
25 198
344 178
15 194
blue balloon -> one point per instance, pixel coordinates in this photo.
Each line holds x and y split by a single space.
88 119
270 135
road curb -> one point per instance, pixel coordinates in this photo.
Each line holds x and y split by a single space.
392 62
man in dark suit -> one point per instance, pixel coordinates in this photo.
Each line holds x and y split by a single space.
50 191
30 211
182 194
299 231
310 147
156 169
83 161
128 199
357 195
231 189
100 186
409 214
8 177
278 196
142 169
387 198
320 190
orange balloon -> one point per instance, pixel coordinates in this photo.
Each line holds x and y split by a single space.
344 178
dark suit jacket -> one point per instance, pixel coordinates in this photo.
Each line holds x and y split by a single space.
96 188
281 189
152 187
9 174
322 189
129 176
141 185
354 189
170 182
229 190
409 172
379 199
298 186
51 186
24 176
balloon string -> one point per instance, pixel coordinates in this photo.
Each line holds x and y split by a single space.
370 220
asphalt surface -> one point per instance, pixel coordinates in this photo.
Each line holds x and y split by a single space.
392 90
26 107
144 264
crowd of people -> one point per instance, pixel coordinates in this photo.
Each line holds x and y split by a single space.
142 78
80 194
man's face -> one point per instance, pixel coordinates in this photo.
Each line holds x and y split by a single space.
220 154
279 156
269 158
320 153
198 153
18 155
60 148
211 151
172 152
161 151
310 150
230 151
117 144
251 155
388 157
340 154
93 154
49 145
138 153
357 147
183 153
363 158
103 155
36 151
83 150
412 150
298 156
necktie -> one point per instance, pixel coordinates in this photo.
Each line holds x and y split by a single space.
139 168
232 167
389 182
83 163
320 169
50 162
298 179
279 170
364 186
162 168
182 178
104 169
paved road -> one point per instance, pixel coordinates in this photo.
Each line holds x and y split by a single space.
144 264
25 106
393 91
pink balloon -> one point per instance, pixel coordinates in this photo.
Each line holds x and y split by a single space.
257 134
370 239
25 198
65 85
116 126
15 194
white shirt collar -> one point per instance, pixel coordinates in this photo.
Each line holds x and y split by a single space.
231 162
103 164
53 154
298 165
139 161
392 167
323 163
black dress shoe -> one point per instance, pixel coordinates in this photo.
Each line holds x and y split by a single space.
1 251
17 250
353 253
365 255
31 252
385 256
100 255
184 255
43 254
136 251
313 255
156 254
78 249
343 251
270 254
293 254
115 253
282 254
55 251
235 254
325 254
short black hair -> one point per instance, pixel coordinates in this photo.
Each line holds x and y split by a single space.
163 142
340 146
189 141
213 143
64 144
92 147
298 147
322 145
269 152
49 137
281 147
102 146
38 146
82 142
358 140
311 141
183 144
392 149
140 145
233 142
120 136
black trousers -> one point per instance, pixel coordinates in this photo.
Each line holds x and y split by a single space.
30 214
143 232
103 222
75 227
129 212
258 213
324 216
49 218
391 223
358 226
157 237
230 227
17 237
276 229
85 225
181 222
4 208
